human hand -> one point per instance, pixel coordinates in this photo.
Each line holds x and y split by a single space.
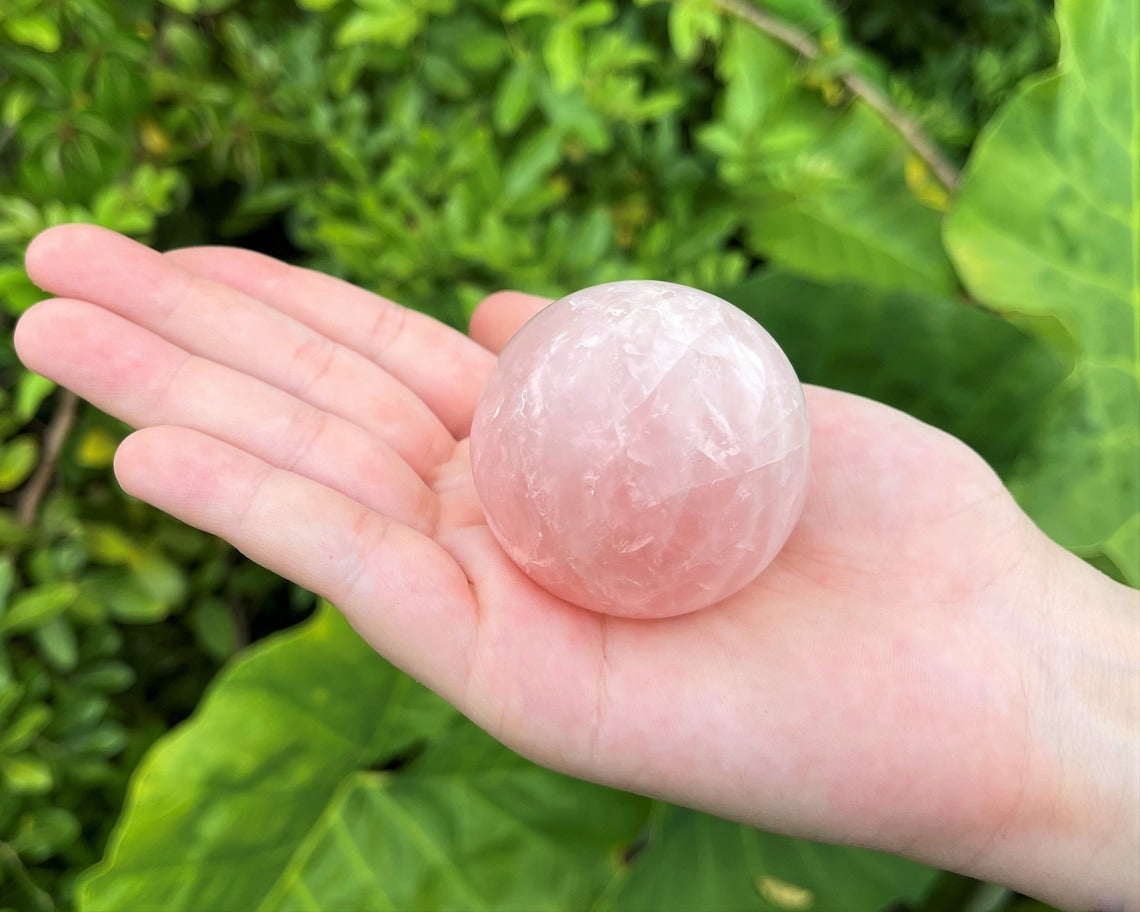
882 683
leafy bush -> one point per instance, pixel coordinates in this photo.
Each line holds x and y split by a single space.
436 151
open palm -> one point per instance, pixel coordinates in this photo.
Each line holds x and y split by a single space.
857 691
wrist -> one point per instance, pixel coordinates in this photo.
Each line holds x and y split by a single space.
1073 838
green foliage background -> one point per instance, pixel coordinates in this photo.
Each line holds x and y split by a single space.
435 151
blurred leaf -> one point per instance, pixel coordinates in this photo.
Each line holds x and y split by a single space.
57 643
37 605
691 22
160 577
694 861
515 99
123 596
18 458
31 391
26 774
23 729
562 52
826 187
38 31
43 832
214 628
96 448
1047 224
7 580
107 677
110 545
316 715
105 740
521 9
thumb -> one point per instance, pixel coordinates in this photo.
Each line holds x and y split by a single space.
499 316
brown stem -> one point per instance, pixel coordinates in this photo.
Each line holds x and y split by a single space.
57 431
903 124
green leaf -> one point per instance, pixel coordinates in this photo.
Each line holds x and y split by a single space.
7 580
31 391
316 773
514 100
57 643
186 7
562 53
693 861
214 628
43 832
18 457
20 733
521 9
823 188
467 825
36 31
690 23
26 774
109 677
1047 225
37 605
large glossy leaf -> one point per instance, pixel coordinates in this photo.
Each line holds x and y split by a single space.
468 825
950 364
1047 224
695 862
316 775
824 184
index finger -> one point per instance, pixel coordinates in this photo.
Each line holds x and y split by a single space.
443 367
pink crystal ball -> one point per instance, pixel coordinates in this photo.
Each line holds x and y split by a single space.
641 449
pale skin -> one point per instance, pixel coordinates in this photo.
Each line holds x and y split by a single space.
920 670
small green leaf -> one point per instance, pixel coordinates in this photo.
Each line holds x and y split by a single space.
17 103
186 7
26 774
22 730
106 740
18 458
110 545
593 13
562 52
107 677
35 31
57 643
44 832
31 391
7 581
522 9
38 605
514 100
214 628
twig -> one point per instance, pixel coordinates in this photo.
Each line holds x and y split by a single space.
57 431
903 124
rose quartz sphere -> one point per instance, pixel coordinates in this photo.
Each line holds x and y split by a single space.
641 449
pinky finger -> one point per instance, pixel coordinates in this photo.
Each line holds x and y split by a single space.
401 591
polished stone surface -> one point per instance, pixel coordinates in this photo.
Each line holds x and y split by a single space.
641 449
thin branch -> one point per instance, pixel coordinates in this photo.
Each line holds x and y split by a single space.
903 124
57 432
